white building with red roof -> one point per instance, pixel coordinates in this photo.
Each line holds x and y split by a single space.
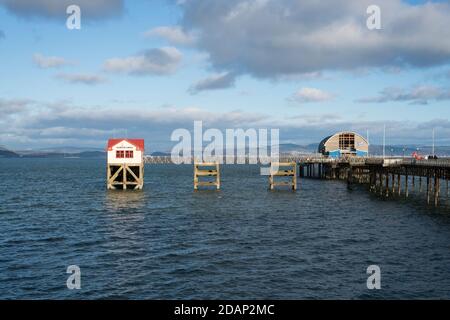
125 167
125 151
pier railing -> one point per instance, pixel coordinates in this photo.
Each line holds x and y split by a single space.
318 159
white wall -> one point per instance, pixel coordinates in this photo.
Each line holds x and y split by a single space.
125 146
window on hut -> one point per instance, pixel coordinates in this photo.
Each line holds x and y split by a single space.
119 154
128 154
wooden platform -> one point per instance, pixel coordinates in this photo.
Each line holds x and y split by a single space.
283 169
125 176
206 170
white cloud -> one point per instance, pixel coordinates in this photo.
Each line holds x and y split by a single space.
305 95
47 62
84 78
46 124
158 61
173 34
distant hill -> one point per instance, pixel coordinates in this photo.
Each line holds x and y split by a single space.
85 154
69 149
5 153
285 148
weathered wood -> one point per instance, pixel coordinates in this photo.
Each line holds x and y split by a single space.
386 177
436 189
135 183
406 184
387 185
277 171
204 170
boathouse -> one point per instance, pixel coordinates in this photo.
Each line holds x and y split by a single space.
344 144
125 164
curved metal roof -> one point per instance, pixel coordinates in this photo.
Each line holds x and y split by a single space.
324 141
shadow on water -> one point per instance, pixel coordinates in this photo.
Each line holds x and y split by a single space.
121 201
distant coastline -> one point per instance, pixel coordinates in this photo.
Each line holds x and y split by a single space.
295 149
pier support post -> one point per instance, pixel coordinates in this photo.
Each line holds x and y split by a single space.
393 183
125 176
290 170
381 184
406 184
436 189
387 184
207 169
446 180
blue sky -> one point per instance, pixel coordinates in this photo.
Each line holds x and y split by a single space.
145 68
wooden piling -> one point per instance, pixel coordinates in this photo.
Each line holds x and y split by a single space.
406 184
206 169
283 169
125 176
436 189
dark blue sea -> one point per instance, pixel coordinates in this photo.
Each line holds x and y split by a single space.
242 242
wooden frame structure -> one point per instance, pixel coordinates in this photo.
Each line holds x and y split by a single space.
206 169
386 177
125 176
284 169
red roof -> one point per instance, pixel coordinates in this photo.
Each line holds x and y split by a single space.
138 143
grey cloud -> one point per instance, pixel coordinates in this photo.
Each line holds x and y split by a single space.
214 82
83 78
46 62
56 9
157 61
416 95
273 38
12 107
173 34
66 123
57 123
307 95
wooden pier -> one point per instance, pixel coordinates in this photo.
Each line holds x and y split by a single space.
391 177
283 169
387 177
206 170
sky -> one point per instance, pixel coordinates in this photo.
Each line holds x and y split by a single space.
141 69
